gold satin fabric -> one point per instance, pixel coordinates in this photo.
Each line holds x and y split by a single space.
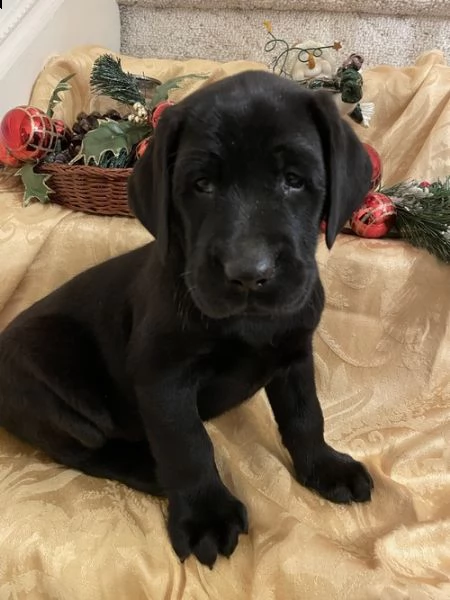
383 374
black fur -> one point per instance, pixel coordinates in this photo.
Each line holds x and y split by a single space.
113 372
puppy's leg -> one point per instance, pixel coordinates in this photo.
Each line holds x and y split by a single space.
36 415
130 463
294 402
54 357
55 394
204 518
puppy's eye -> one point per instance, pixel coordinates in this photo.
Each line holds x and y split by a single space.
204 185
293 180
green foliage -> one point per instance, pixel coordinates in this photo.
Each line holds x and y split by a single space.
108 78
162 91
110 137
423 218
63 86
35 184
110 161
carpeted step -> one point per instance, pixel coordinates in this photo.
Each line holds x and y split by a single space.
233 29
433 8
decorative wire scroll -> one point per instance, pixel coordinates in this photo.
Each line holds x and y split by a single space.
346 81
278 63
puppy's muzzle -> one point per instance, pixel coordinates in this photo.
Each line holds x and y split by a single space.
249 274
248 267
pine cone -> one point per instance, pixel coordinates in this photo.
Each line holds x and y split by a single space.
63 158
75 145
85 123
113 114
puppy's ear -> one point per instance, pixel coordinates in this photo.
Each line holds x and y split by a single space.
348 166
150 183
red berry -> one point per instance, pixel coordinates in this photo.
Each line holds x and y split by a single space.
158 111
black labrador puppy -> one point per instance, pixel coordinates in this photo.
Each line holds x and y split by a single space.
114 372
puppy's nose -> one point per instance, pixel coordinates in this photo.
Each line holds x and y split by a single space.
249 274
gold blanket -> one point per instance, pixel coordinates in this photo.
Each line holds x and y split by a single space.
383 372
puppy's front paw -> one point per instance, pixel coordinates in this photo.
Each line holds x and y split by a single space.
337 477
206 524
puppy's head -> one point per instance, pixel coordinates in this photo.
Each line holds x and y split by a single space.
239 176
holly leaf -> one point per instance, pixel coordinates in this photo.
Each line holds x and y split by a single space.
162 91
35 185
63 86
110 136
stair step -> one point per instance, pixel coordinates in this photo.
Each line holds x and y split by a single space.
233 34
432 8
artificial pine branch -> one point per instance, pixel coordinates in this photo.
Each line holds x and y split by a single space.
423 215
108 78
427 235
111 161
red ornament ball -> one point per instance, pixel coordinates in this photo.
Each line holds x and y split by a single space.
28 133
158 111
377 170
6 158
375 217
142 146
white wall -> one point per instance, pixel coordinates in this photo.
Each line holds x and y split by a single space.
33 30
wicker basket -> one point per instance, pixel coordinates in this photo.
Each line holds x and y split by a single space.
94 190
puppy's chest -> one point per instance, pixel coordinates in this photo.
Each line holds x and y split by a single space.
229 375
239 370
238 362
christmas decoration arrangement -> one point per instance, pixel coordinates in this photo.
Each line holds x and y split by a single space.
85 165
416 211
315 65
